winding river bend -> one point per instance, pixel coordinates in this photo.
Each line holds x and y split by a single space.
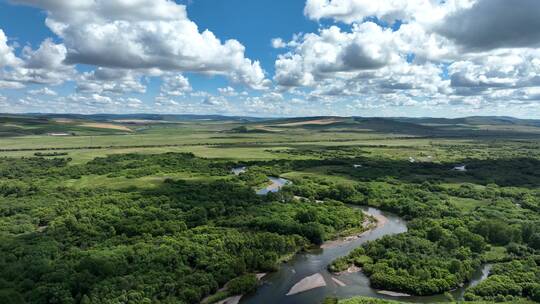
276 285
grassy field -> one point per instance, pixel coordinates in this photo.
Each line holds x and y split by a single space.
219 139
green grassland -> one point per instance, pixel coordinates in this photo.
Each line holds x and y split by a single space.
215 139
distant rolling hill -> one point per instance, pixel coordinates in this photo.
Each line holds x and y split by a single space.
103 124
22 125
146 117
12 125
475 120
425 127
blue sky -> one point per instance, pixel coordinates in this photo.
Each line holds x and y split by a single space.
253 23
232 19
271 58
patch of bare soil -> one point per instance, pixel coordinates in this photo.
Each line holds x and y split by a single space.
320 122
106 126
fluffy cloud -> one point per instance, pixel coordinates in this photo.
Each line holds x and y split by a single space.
318 56
472 24
228 91
473 52
467 54
145 34
491 24
278 43
175 85
74 103
43 92
96 103
198 102
503 69
7 57
366 59
7 84
105 80
163 102
529 94
44 65
217 101
350 11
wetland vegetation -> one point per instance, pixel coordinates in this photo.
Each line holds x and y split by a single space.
155 214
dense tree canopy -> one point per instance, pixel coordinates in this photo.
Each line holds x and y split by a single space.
175 243
200 228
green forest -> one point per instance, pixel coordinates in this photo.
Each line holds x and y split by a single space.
167 223
175 243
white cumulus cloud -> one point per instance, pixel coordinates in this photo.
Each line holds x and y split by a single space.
175 85
145 34
43 92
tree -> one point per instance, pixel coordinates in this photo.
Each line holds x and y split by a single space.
534 241
306 216
331 300
242 285
196 217
535 293
11 296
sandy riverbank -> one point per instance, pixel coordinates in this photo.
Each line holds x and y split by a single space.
308 283
233 299
338 282
351 269
230 300
393 294
373 222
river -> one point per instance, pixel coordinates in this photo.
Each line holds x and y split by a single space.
276 184
238 170
276 285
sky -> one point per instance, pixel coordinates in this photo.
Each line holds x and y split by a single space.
271 58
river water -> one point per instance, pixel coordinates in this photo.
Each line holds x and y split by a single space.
276 285
238 170
276 184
